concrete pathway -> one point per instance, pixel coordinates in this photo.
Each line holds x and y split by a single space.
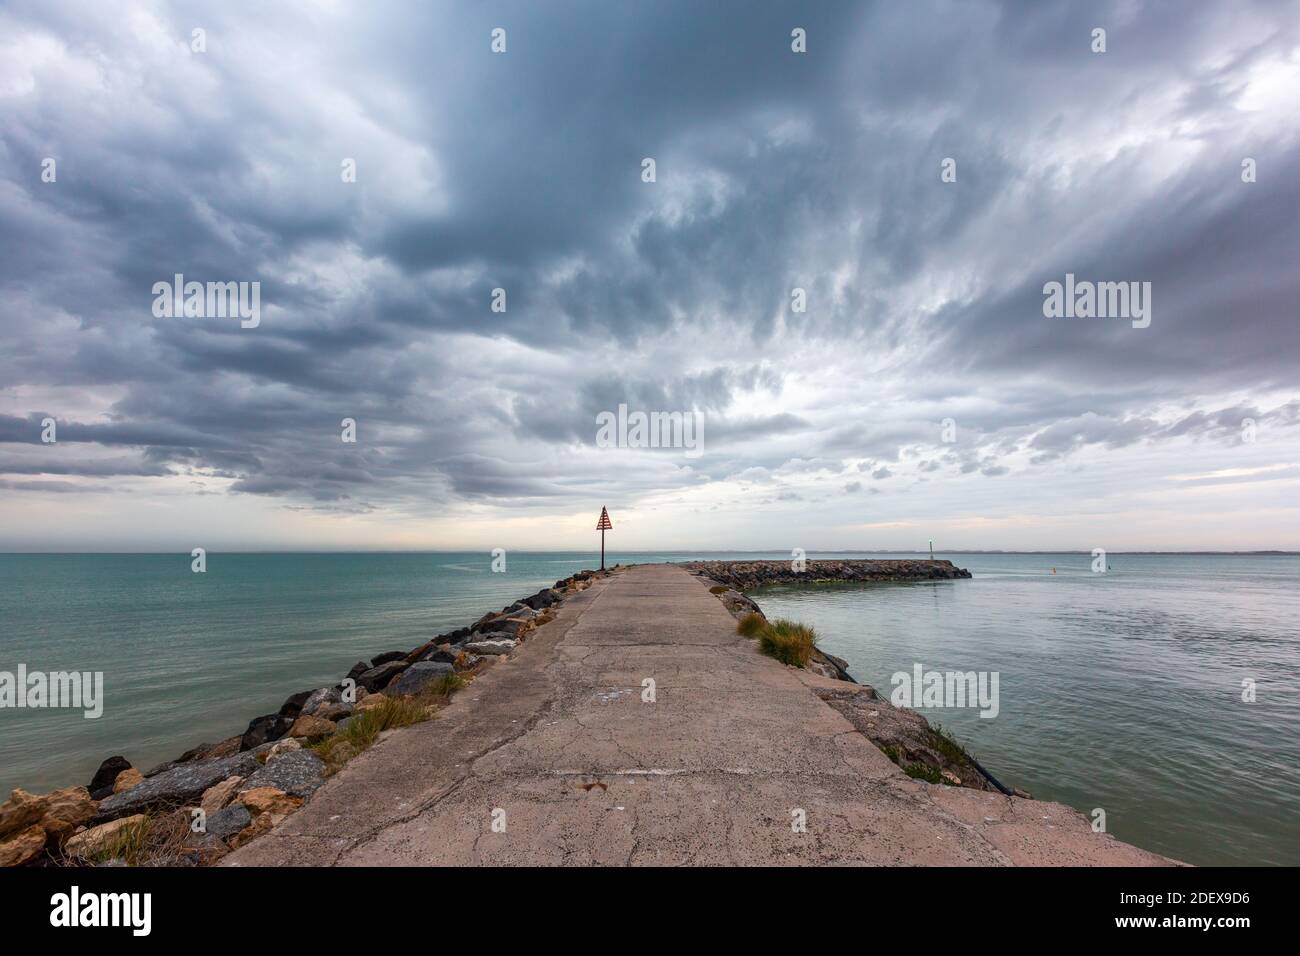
557 748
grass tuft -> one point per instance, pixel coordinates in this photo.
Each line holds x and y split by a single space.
128 844
718 589
751 625
365 727
946 744
789 642
160 839
923 771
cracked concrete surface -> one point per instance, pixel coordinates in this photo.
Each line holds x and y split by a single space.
557 743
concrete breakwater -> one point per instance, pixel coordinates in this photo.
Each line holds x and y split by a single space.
639 726
746 575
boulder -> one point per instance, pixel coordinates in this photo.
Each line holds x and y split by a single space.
369 702
217 796
438 654
542 599
387 658
57 813
20 811
269 800
260 825
419 676
377 678
419 653
332 711
293 706
105 775
226 748
342 725
286 746
299 773
319 698
513 626
67 809
263 729
359 668
177 787
494 647
88 843
23 846
127 779
227 822
310 727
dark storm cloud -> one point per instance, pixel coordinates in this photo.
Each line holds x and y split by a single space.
522 171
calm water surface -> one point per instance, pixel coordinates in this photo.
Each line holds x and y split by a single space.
1119 690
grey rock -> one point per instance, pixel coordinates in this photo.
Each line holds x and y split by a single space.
226 823
264 728
512 626
341 725
194 753
419 676
377 678
333 711
105 775
439 653
176 787
388 657
320 697
359 668
494 647
547 597
293 706
299 772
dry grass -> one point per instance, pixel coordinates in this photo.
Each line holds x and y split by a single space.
161 839
718 589
751 625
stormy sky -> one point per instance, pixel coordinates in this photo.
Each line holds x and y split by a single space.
922 393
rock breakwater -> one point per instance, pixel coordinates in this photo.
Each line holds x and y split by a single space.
746 575
216 797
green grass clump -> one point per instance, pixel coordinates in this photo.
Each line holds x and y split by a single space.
789 642
365 727
718 589
923 771
946 744
751 625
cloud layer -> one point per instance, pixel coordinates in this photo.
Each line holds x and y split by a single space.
922 394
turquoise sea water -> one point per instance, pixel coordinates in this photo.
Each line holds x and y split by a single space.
1119 690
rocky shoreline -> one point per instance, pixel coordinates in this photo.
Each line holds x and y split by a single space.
747 575
214 798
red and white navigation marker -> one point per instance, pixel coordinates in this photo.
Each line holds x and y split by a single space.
603 525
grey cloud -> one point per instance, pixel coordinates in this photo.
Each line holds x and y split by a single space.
522 171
